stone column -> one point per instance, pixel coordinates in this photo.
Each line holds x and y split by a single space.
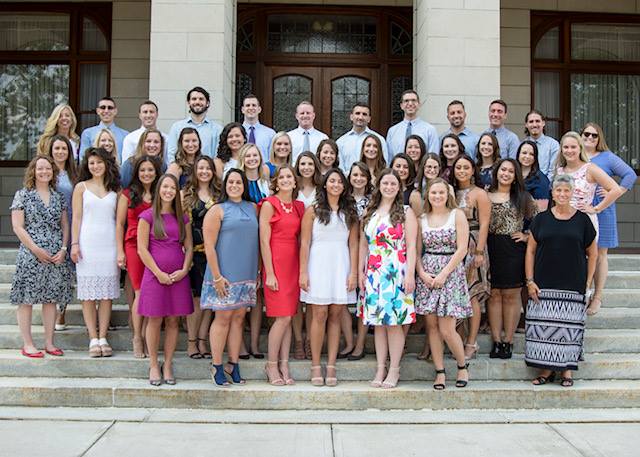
456 56
192 44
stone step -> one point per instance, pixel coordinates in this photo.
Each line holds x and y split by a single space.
614 318
77 364
5 295
115 392
76 338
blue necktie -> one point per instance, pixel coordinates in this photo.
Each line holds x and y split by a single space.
407 133
252 136
305 145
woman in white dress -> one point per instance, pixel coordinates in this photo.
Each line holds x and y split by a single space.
93 243
328 267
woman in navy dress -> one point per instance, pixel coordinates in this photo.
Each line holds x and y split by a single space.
535 182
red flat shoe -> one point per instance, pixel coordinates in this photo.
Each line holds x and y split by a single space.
32 355
55 351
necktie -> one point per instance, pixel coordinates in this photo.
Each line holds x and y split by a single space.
252 136
407 133
305 145
494 132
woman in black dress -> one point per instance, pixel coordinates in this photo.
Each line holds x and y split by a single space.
560 264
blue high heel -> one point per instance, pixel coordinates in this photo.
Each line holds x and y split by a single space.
219 376
235 374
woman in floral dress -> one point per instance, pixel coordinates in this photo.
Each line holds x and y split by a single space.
442 293
387 273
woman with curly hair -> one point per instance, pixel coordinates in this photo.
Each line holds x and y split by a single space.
93 243
188 151
372 154
232 138
62 121
199 195
328 267
387 273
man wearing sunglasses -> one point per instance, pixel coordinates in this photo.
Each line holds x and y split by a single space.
107 112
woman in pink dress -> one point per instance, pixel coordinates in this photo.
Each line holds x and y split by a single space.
166 249
280 219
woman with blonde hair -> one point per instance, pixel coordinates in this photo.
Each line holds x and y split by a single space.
107 141
250 161
62 121
151 143
280 152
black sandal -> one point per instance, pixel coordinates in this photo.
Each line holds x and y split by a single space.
542 380
439 386
566 382
463 382
195 355
205 355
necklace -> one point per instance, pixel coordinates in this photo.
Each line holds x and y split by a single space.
285 208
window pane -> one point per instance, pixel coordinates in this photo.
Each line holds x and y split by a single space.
244 86
93 85
92 37
549 45
398 85
34 32
401 40
28 93
605 42
547 93
613 101
346 92
301 33
288 91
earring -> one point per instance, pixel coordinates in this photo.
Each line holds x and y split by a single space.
277 189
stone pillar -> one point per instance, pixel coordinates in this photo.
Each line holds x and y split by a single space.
457 56
192 44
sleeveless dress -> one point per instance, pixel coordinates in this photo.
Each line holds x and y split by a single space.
228 165
135 267
438 245
258 189
97 271
583 191
162 300
477 277
306 200
237 251
285 252
384 299
199 265
35 282
329 264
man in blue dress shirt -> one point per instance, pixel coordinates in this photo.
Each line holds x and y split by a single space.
257 133
107 112
411 125
350 144
305 137
457 116
548 147
198 100
507 140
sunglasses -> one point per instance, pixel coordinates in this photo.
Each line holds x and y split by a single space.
589 134
106 107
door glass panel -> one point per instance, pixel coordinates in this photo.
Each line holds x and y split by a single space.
398 85
28 93
244 87
92 37
34 32
549 45
346 92
605 42
288 92
401 40
93 85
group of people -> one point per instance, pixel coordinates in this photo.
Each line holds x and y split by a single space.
212 223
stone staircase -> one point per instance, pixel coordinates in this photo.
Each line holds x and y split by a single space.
608 378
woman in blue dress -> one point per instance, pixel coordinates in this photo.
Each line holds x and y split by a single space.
596 148
535 182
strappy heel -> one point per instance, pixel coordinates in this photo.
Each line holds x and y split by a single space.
440 385
460 383
195 355
288 380
205 354
219 376
317 381
330 381
273 381
235 374
475 348
376 383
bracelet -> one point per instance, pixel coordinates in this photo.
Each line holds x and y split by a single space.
219 279
63 248
75 244
479 252
529 281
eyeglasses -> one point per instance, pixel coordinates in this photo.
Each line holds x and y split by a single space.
590 134
106 107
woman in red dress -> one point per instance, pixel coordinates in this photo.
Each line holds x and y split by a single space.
280 218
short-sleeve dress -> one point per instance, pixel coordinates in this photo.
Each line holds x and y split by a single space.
162 300
554 329
329 263
135 267
438 246
35 282
285 251
384 299
237 251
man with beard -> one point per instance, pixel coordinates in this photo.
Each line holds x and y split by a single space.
198 100
350 144
457 117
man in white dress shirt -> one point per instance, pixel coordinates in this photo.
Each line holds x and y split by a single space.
507 140
257 133
350 144
411 125
148 115
305 137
